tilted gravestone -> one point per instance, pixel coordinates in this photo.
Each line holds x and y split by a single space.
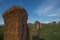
15 24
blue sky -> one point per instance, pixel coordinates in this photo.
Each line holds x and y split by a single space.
42 10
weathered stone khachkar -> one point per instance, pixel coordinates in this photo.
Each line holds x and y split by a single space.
37 24
15 24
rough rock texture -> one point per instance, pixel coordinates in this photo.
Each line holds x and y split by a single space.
15 24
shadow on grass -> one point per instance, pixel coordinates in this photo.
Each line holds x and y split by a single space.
37 38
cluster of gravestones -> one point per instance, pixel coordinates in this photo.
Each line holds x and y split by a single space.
15 24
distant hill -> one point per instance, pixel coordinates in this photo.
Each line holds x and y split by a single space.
1 25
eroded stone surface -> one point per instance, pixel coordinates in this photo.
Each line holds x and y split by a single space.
15 24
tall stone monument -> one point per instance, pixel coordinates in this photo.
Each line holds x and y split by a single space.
15 24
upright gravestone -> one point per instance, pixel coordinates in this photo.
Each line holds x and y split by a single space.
15 24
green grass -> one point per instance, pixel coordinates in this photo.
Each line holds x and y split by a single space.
46 32
1 32
50 32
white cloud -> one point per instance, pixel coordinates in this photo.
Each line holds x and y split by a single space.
46 8
47 22
54 15
43 10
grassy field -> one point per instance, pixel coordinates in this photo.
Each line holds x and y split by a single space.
49 32
46 32
1 32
